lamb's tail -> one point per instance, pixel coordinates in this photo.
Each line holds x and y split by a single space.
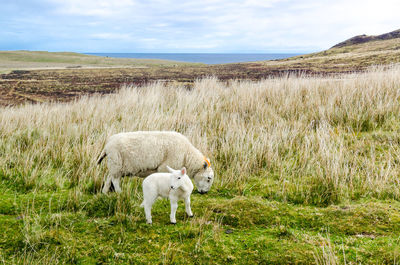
102 156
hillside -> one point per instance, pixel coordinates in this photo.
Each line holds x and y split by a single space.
10 60
365 38
355 54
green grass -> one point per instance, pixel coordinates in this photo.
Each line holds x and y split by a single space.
41 227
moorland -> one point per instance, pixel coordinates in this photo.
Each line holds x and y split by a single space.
42 76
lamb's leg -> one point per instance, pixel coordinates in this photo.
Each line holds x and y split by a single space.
187 206
107 184
174 206
149 198
147 210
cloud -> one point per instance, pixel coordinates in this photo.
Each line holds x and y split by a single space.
93 8
192 25
111 36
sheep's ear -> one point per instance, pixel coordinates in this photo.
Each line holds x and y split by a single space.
170 169
183 171
206 163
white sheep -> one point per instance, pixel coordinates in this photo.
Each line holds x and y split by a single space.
175 185
143 153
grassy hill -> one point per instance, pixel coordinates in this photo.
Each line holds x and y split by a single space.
306 173
365 38
348 56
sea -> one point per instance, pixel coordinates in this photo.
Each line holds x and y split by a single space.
206 58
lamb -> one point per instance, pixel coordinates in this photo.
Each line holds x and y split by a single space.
142 153
175 185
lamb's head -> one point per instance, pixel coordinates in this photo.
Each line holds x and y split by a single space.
204 178
177 176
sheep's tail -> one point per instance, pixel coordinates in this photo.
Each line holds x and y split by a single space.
102 156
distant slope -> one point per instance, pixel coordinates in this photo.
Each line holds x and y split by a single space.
42 59
365 38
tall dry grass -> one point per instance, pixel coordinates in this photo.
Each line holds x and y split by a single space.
314 140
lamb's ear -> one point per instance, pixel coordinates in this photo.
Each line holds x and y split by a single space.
170 169
183 171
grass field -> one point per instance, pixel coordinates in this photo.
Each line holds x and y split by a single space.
306 172
30 60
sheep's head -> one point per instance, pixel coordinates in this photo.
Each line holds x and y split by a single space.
177 176
204 178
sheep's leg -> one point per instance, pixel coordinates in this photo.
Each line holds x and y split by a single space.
107 184
174 206
114 165
115 182
187 206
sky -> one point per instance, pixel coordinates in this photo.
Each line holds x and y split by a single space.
209 26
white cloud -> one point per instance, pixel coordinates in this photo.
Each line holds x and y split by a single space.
208 25
96 8
111 36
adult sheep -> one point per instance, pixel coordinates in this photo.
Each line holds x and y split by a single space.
142 153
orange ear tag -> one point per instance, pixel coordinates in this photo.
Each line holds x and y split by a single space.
208 162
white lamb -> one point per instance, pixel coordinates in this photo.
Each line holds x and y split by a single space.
143 153
175 185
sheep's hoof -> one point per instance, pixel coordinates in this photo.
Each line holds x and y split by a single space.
173 223
191 216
